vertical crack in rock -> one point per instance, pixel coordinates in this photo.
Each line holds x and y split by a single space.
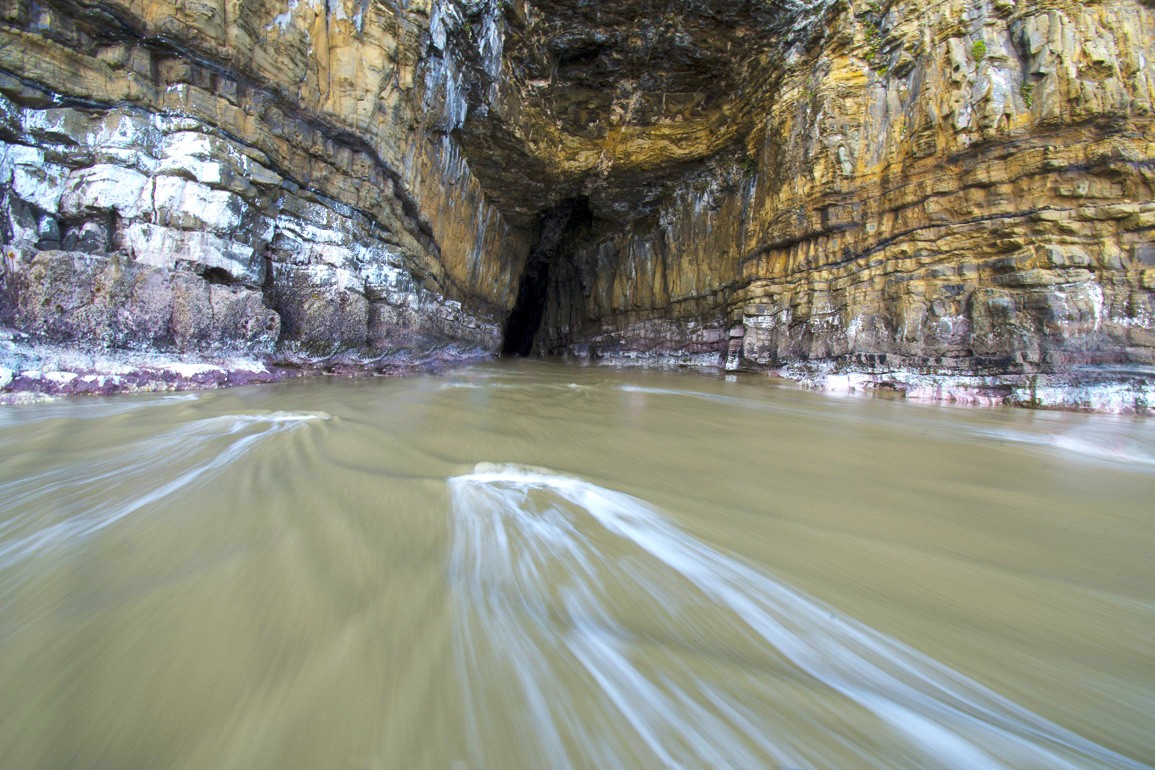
524 321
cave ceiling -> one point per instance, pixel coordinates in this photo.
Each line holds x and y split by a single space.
615 102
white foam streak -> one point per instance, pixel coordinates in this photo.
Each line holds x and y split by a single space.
56 509
462 385
554 578
1134 447
1095 438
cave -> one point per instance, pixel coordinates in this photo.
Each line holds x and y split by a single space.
784 187
587 328
556 226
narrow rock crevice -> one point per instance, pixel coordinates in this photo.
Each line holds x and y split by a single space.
218 276
524 321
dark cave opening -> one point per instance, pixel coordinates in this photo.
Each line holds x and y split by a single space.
524 321
218 275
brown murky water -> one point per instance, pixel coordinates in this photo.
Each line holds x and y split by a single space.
527 565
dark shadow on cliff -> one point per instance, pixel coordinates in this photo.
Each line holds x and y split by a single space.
532 292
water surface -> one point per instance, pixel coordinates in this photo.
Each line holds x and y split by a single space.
527 565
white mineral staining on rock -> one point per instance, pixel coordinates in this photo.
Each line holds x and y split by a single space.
182 241
949 199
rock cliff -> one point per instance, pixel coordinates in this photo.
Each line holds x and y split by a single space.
951 199
241 179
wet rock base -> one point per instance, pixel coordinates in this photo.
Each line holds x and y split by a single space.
32 371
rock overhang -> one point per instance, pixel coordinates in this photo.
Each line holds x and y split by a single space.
960 187
616 102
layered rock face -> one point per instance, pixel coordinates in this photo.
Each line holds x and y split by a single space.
952 199
240 178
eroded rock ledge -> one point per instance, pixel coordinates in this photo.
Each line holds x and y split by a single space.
184 184
953 200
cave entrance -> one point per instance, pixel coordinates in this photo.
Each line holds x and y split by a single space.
525 319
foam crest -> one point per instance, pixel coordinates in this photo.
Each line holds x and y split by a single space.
589 600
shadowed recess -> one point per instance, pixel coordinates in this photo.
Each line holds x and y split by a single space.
525 319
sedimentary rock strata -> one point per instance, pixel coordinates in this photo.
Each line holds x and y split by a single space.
192 180
959 191
952 199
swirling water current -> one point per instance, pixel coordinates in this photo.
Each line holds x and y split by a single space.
529 565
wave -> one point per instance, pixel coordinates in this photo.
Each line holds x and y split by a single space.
485 385
591 632
58 507
1135 448
92 408
1101 439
